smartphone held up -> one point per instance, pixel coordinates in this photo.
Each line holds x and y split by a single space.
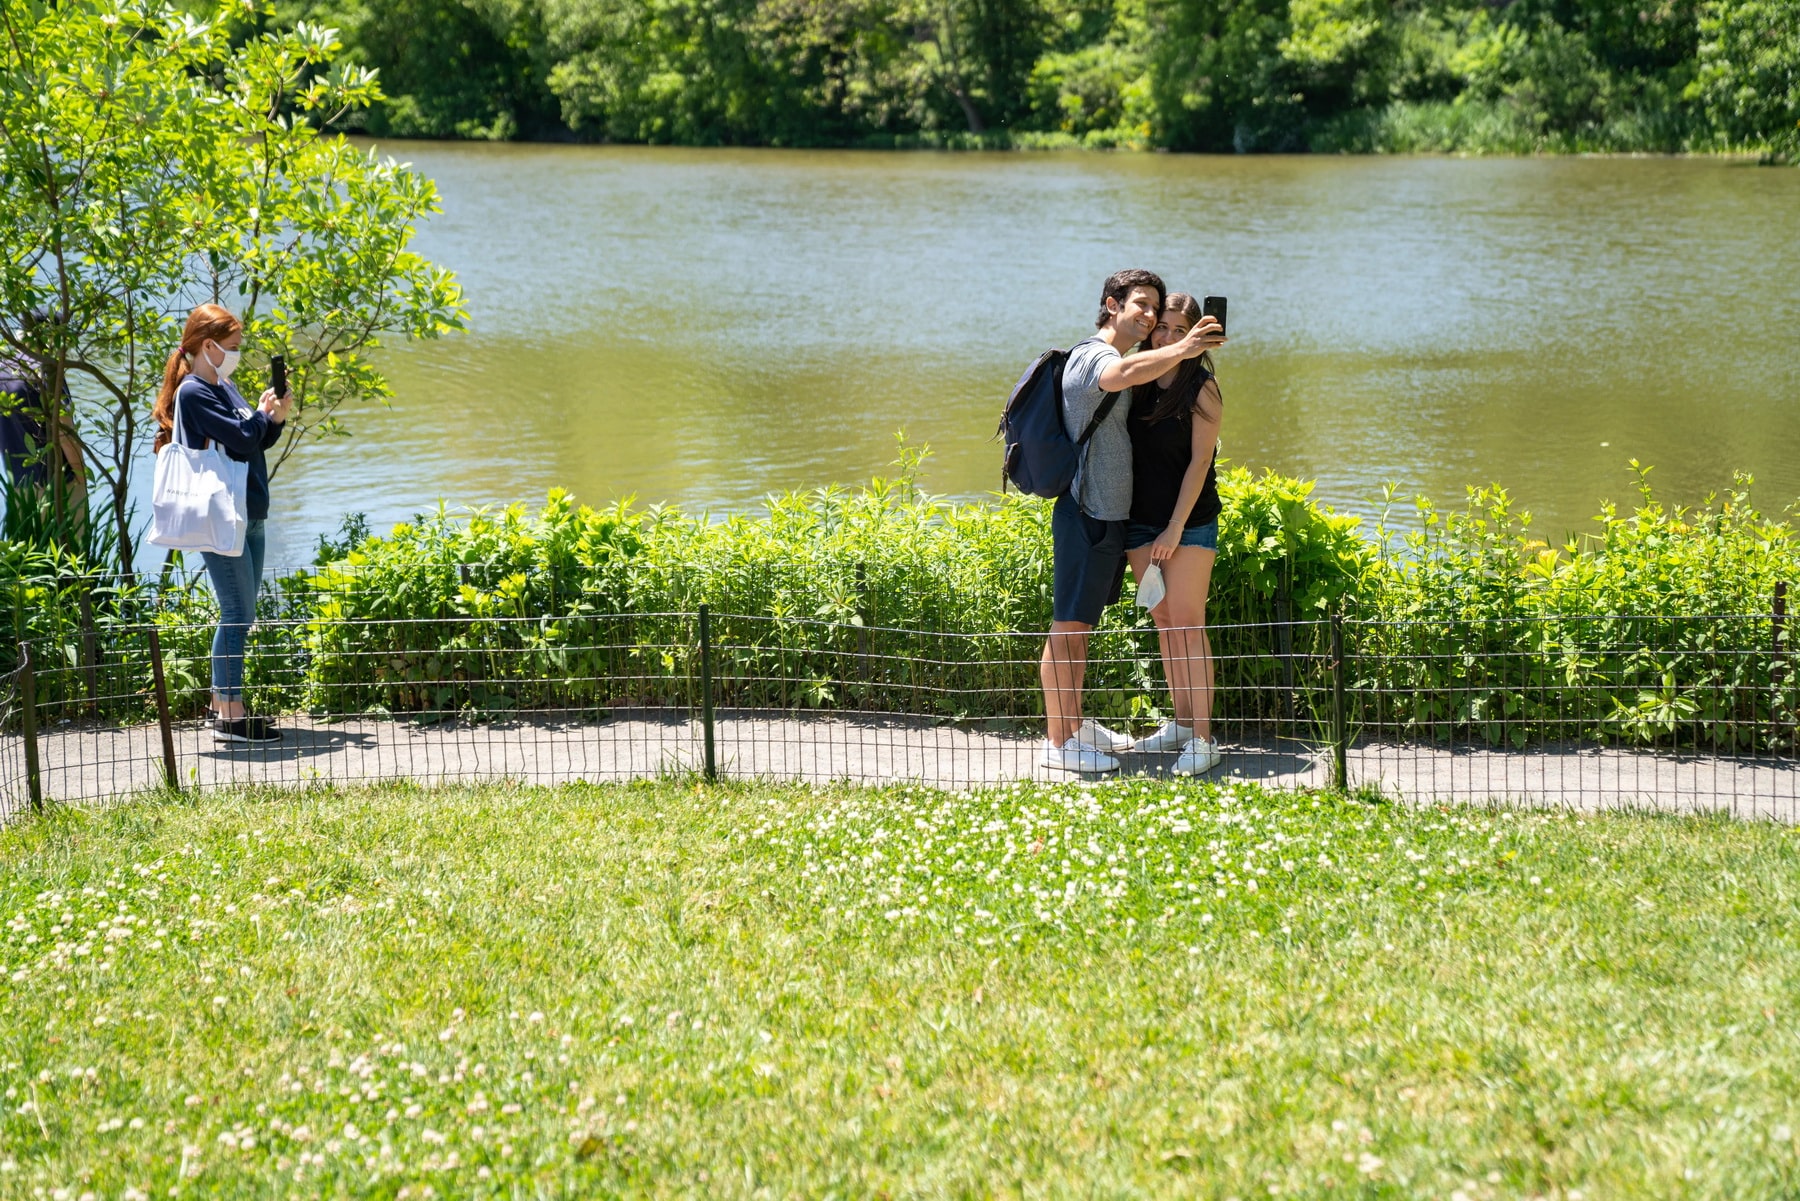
1214 306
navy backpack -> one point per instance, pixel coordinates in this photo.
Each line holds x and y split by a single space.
1040 457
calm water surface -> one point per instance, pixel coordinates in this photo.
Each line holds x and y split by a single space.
704 327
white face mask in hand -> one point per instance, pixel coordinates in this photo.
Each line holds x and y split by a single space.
1151 589
225 368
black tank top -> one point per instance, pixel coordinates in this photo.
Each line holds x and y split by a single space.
1160 454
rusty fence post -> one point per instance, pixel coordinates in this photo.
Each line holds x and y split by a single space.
171 773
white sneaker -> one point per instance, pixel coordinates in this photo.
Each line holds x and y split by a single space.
1076 755
1171 737
1197 758
1095 734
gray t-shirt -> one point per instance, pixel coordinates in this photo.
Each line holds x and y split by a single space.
1103 479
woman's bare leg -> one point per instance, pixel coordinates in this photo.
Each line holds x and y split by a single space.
1174 663
1187 649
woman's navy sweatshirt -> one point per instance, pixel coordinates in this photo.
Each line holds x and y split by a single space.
217 413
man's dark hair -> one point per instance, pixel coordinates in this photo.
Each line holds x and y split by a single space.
1119 285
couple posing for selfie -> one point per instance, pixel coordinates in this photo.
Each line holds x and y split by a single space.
1145 492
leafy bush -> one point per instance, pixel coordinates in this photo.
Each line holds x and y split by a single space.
924 601
1654 629
1749 73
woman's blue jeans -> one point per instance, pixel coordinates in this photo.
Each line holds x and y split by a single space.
234 580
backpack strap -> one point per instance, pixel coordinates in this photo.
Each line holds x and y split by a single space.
1100 414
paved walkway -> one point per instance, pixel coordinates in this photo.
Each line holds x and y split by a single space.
97 763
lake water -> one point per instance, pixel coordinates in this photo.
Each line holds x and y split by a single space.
704 327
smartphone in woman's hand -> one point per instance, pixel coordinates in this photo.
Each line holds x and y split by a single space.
1214 306
278 381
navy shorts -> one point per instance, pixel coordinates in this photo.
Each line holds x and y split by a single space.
1204 536
1090 562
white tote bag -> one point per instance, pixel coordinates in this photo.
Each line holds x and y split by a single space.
198 499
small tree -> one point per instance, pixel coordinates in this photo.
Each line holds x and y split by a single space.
148 164
1749 77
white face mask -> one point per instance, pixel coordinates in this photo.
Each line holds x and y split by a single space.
225 368
1151 589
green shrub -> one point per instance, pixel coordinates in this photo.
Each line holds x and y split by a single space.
1655 629
928 604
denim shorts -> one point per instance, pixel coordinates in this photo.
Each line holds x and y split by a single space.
1090 562
1205 536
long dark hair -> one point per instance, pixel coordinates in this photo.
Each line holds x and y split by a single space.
1183 395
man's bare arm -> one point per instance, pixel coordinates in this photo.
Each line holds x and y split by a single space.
1146 365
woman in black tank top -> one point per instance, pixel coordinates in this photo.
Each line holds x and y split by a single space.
1175 526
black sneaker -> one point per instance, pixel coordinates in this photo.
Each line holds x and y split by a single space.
245 729
212 717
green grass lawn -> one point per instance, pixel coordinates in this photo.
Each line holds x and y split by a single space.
1129 989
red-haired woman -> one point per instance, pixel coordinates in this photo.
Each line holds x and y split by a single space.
197 382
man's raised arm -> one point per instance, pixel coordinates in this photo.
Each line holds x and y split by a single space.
1146 365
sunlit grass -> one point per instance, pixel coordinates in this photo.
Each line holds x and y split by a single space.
1125 989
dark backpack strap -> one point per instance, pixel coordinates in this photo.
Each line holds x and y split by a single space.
1100 414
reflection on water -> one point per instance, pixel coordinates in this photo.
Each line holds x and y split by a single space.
708 326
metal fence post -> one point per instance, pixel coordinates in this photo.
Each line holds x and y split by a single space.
1284 650
34 784
706 692
1340 750
1777 659
865 616
90 655
171 773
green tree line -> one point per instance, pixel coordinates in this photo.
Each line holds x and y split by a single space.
1203 75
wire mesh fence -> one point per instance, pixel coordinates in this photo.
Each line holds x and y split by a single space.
1674 712
20 774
